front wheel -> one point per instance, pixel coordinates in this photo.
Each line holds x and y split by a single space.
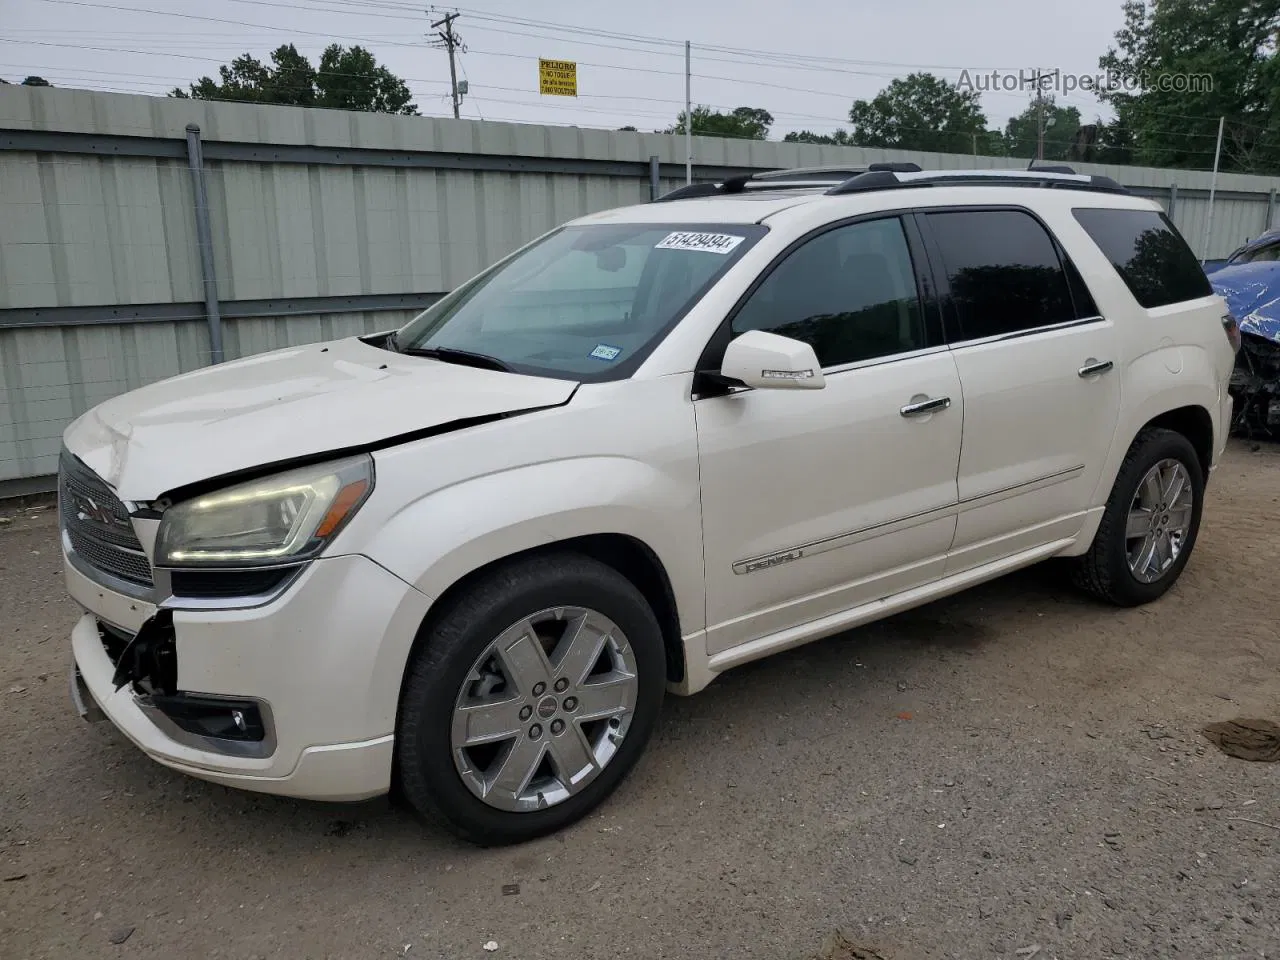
1150 523
530 698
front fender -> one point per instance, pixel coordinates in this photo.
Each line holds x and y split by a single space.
436 540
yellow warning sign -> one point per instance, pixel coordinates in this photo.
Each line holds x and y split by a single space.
558 77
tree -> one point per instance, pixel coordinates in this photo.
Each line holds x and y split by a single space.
1179 65
1062 124
348 79
745 123
36 82
353 80
1115 143
919 112
291 80
989 143
840 138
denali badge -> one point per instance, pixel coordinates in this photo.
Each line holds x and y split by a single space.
787 374
764 563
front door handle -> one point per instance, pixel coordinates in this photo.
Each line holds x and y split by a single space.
922 407
1092 366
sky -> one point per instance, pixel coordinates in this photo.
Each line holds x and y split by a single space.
805 61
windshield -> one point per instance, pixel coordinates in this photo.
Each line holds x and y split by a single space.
586 302
1265 254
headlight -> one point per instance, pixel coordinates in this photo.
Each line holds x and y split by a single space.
285 517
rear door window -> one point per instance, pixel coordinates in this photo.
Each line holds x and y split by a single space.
1148 252
1004 272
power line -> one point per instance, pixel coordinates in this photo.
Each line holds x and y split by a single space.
753 54
788 60
370 8
195 16
278 3
385 6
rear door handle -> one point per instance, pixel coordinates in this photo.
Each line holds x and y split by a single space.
926 406
1092 366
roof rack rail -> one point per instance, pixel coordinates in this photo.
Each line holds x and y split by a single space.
889 180
834 173
691 190
898 166
791 178
1051 168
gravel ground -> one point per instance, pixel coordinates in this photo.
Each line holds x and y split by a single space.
1012 772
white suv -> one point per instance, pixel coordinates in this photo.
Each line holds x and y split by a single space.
466 559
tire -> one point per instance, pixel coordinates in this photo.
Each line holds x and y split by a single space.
442 782
1105 571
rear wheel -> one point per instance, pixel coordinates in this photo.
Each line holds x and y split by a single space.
531 697
1150 523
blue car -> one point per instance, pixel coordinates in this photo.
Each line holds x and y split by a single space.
1261 249
1251 286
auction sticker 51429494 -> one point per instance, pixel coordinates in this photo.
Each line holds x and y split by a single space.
721 243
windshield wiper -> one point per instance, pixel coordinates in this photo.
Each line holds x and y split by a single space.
454 355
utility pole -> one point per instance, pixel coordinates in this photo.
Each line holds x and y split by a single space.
688 116
1040 122
1213 189
451 41
1039 117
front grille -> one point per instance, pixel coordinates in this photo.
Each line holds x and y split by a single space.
97 524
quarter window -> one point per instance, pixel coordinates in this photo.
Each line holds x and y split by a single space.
849 292
1004 272
1148 252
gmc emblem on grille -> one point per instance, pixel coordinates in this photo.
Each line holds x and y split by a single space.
88 509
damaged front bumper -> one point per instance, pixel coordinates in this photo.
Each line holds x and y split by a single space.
1252 294
297 697
82 699
1255 388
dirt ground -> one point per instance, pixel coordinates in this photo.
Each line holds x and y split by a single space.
1014 772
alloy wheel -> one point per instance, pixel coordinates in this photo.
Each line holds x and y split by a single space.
544 708
1159 520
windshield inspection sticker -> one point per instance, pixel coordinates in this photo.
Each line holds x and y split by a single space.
605 352
720 243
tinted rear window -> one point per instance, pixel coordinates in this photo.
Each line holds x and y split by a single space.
1149 254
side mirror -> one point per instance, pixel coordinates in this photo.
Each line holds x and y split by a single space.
767 361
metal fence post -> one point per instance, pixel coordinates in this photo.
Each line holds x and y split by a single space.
1173 199
654 186
1271 209
204 237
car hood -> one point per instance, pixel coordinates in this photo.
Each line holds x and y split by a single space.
275 407
1252 292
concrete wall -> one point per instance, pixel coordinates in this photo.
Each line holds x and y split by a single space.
323 223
